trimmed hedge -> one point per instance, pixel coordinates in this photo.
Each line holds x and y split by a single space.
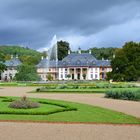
25 112
124 94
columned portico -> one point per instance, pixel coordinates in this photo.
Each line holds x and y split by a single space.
77 73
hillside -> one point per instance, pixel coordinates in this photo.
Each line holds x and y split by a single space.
26 55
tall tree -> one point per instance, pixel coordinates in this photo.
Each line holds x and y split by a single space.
126 64
26 73
2 68
2 65
63 48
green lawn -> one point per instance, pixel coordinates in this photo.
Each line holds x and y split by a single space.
61 111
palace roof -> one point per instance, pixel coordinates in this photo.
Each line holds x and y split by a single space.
14 62
75 60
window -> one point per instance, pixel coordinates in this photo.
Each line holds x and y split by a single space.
96 70
65 75
61 76
91 76
66 70
96 76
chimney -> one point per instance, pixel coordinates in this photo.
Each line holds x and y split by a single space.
79 50
102 58
68 51
42 57
12 56
47 57
17 56
89 51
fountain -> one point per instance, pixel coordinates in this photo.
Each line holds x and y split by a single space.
52 55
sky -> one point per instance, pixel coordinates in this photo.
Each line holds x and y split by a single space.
82 23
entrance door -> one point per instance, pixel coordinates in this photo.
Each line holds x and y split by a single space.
78 76
72 76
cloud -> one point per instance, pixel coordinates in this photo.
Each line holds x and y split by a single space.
85 23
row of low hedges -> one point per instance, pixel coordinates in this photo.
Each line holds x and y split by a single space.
124 94
87 86
71 90
70 85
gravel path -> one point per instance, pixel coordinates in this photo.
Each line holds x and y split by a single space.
37 131
48 131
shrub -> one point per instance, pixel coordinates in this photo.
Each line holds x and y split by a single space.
38 89
124 94
24 103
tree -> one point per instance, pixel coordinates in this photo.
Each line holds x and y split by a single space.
26 55
2 67
99 53
27 73
49 77
63 48
84 76
30 60
126 64
68 76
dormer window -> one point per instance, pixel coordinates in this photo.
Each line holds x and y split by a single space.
78 62
93 62
64 63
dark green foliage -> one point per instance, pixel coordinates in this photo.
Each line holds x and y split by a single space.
49 77
68 76
1 57
63 48
99 53
84 76
2 67
24 103
26 73
126 64
124 94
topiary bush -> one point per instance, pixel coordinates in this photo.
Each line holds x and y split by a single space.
24 103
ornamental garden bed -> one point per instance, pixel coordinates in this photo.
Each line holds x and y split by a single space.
62 111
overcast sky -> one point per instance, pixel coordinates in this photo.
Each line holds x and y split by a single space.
83 23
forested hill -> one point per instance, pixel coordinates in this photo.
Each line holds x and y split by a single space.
105 53
30 56
26 55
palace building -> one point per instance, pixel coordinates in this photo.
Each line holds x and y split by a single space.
11 71
75 66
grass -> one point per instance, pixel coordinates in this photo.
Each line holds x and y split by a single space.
78 113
